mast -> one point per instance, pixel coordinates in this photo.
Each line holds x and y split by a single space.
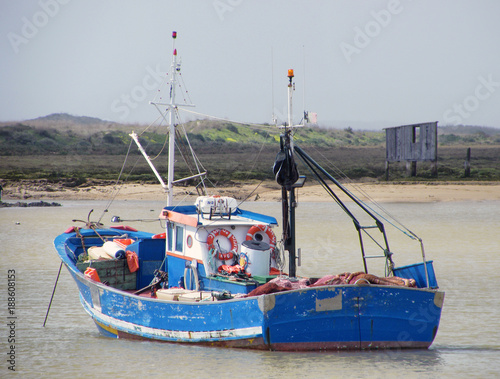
171 123
290 242
172 107
288 177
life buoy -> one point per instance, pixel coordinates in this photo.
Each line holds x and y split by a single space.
264 229
232 240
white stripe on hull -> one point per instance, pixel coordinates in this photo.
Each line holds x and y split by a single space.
170 335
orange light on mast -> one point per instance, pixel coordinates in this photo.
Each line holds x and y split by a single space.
290 73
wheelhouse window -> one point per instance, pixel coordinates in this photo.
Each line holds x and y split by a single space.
179 234
170 236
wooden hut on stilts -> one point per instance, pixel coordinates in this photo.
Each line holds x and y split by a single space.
411 144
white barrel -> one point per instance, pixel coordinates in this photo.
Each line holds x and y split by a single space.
114 250
259 255
97 252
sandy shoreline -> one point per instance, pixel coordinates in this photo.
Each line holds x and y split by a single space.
267 191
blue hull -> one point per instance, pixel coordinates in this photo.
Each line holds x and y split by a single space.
315 318
354 317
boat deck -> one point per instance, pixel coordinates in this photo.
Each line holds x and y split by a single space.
183 295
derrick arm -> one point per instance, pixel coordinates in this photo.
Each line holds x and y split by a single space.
316 170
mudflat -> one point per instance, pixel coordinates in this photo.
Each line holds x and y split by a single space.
263 191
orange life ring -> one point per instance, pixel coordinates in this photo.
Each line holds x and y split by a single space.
264 229
232 240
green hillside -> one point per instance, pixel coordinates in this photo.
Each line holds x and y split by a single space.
65 147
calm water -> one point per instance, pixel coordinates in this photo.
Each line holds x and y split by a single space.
463 239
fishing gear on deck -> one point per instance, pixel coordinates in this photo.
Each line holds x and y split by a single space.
160 277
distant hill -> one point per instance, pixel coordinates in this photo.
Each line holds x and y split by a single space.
79 125
65 134
65 117
468 134
468 129
88 147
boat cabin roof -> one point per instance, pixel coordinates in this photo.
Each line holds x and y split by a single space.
189 215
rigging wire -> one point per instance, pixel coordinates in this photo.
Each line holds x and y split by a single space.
251 169
112 198
163 147
250 194
226 119
197 161
185 89
402 228
186 195
166 82
236 122
150 125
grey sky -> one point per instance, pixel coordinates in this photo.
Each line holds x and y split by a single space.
368 64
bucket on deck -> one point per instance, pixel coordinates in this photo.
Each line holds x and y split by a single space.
258 254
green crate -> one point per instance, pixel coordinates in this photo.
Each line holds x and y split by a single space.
113 271
263 279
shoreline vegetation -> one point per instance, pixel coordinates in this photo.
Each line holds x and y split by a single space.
384 192
65 157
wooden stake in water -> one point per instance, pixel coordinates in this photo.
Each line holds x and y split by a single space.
53 291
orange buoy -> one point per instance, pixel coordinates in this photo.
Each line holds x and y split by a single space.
91 273
132 261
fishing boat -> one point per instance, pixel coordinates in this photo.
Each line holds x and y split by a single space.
215 274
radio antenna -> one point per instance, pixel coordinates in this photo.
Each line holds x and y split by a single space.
304 81
275 120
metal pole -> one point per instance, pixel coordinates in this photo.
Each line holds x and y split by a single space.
146 157
53 291
291 249
171 141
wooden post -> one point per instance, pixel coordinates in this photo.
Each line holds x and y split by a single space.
411 168
386 171
434 169
467 164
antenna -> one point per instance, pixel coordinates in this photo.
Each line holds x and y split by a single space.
291 88
275 119
304 82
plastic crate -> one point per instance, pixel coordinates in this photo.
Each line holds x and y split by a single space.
417 271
